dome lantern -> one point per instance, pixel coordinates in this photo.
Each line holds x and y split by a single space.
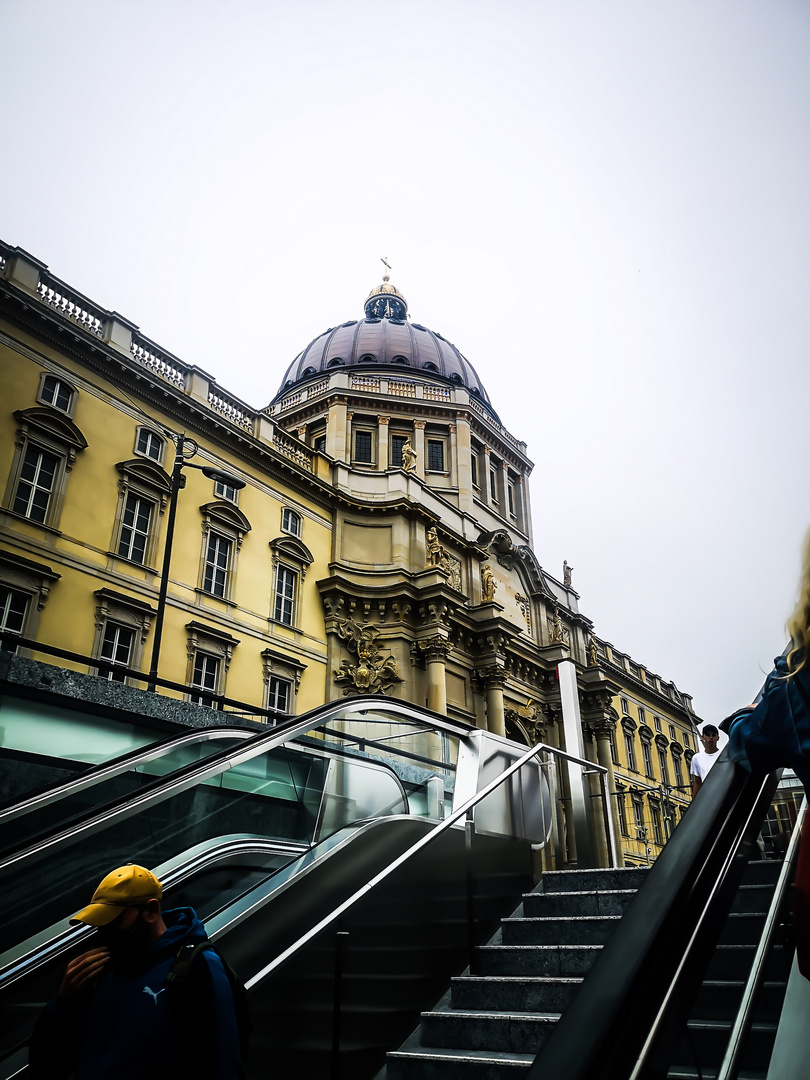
386 301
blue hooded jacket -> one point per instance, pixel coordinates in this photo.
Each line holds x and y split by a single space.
126 1030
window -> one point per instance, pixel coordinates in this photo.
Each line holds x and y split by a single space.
205 677
284 607
614 757
655 813
657 722
57 393
638 817
510 498
134 536
116 646
672 733
630 750
646 751
278 694
622 809
664 765
642 716
397 442
224 528
291 522
474 468
363 447
686 741
149 444
319 443
225 491
625 707
493 485
435 455
122 627
13 610
677 766
36 484
217 563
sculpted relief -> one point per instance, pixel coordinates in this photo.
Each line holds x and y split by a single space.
373 673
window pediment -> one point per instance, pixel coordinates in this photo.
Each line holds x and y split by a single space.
291 549
227 515
147 472
55 426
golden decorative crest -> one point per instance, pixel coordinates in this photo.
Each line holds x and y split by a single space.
373 673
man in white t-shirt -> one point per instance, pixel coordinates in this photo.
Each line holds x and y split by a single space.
703 761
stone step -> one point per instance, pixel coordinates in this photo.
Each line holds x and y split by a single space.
592 930
572 904
547 960
493 1031
629 877
504 993
452 1065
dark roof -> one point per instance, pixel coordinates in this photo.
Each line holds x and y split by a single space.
374 343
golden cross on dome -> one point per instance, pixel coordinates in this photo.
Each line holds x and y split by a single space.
387 266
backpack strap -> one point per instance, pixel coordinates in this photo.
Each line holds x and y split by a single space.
184 960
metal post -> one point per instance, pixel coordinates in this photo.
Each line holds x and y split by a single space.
177 473
469 833
580 803
337 986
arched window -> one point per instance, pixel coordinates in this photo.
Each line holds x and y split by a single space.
400 360
290 522
336 362
429 366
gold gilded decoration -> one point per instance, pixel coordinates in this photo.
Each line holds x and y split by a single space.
487 583
593 654
373 673
408 457
435 551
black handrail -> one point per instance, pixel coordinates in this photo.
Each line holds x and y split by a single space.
643 984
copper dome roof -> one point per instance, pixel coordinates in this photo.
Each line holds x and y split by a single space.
376 342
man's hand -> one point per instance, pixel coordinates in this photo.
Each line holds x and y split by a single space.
82 973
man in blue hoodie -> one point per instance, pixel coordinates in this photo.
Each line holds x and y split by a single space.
115 1016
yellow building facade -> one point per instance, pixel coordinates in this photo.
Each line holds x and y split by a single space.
367 531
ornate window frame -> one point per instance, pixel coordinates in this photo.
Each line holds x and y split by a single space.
34 581
211 642
276 665
143 478
225 520
47 429
292 554
134 614
161 440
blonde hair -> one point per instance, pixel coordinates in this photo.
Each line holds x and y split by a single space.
798 625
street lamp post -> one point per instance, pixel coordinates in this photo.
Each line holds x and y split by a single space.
181 462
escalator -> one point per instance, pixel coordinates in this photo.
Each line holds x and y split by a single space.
264 838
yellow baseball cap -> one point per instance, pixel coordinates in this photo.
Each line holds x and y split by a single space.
125 887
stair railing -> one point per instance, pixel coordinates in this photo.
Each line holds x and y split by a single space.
639 992
744 1018
466 812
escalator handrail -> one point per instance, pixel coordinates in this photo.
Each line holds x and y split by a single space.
66 939
409 853
744 1017
191 775
109 769
622 1002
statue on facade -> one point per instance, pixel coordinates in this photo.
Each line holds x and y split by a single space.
487 583
435 551
567 571
593 655
408 457
557 636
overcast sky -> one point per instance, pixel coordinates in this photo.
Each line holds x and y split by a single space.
603 205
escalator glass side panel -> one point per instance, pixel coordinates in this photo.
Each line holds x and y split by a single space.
42 744
298 791
39 823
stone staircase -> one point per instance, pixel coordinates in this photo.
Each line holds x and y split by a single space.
491 1024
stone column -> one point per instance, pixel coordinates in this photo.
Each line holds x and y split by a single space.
336 431
602 731
493 679
463 454
436 650
382 443
419 447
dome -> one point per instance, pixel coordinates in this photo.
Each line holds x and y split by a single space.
385 338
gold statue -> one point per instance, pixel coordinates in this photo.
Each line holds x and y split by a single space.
408 457
435 551
593 655
487 583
